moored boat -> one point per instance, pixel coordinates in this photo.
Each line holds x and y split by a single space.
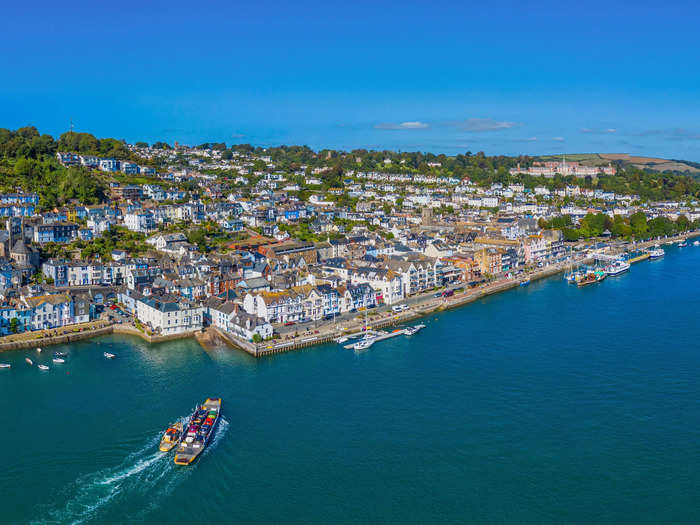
617 267
696 243
525 282
682 244
5 365
109 356
29 361
200 429
43 367
58 360
656 252
412 330
591 278
38 349
60 354
364 344
171 437
341 340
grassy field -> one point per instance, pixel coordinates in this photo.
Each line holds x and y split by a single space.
602 159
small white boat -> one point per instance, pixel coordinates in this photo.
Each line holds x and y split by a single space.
43 367
38 349
682 244
364 344
696 243
617 267
5 365
412 330
656 253
109 356
29 361
58 360
341 340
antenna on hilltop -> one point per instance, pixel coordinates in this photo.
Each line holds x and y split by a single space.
71 127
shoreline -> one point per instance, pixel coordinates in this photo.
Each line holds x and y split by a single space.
327 333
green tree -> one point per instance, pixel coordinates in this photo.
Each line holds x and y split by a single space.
638 223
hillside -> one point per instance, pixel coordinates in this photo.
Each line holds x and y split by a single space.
649 163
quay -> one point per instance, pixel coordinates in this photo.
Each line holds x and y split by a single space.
425 305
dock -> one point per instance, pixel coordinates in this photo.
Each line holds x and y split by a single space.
639 258
379 336
382 336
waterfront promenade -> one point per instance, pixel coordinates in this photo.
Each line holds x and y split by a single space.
417 306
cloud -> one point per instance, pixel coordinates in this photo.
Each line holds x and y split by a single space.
478 125
599 131
528 139
558 139
237 135
415 124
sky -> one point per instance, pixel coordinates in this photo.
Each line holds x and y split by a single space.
445 77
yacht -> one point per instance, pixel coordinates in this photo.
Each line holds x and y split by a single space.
364 344
341 340
412 330
109 356
656 252
617 267
5 365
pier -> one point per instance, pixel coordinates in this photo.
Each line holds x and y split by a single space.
380 336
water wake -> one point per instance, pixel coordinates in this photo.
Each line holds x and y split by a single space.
140 482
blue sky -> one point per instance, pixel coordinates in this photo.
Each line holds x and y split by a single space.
500 77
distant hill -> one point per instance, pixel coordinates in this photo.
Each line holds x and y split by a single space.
650 163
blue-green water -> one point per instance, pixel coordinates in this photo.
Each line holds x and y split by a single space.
546 404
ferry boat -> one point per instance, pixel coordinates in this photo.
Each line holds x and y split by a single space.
617 267
43 367
412 330
591 278
364 344
200 428
171 437
656 252
29 361
5 365
109 356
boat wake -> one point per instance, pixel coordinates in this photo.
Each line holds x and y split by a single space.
139 483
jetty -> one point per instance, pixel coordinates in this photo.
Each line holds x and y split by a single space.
380 336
